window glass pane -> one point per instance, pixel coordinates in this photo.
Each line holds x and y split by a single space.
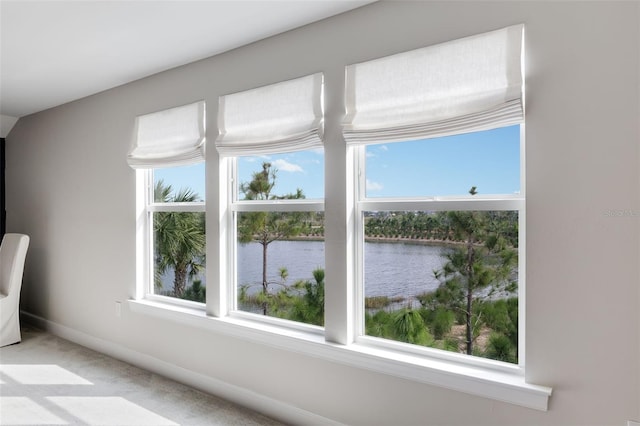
293 171
179 184
451 165
280 255
179 255
446 280
280 265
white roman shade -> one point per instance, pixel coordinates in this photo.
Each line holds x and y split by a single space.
172 137
281 117
470 84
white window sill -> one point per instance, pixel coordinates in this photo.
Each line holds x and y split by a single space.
506 386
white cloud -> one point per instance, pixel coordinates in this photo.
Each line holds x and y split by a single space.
285 166
380 148
373 186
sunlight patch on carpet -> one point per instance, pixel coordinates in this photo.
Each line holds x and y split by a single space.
42 375
20 410
109 411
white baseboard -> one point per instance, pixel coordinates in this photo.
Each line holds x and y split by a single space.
269 407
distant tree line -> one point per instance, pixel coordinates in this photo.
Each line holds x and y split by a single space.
437 226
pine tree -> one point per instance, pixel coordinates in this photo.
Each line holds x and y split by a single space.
481 268
267 227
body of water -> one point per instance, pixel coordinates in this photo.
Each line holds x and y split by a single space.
391 269
401 269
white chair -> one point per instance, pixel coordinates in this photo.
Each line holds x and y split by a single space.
13 252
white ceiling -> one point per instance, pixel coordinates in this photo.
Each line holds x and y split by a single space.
53 52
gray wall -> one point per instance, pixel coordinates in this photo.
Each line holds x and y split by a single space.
69 187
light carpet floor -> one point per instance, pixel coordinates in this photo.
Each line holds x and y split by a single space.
46 380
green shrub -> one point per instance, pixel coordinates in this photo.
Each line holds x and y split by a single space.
442 322
500 348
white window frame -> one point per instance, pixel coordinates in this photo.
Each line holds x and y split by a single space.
500 202
482 377
236 206
145 241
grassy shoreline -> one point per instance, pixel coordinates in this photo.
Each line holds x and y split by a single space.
397 240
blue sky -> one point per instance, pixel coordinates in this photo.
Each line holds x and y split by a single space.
451 165
489 160
183 177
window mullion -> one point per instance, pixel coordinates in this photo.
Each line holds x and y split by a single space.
522 258
176 207
360 194
340 180
144 244
522 303
219 225
278 206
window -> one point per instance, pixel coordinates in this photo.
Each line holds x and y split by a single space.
178 228
276 201
168 153
440 267
439 199
424 234
279 224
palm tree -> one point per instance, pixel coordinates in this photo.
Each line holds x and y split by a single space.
179 238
